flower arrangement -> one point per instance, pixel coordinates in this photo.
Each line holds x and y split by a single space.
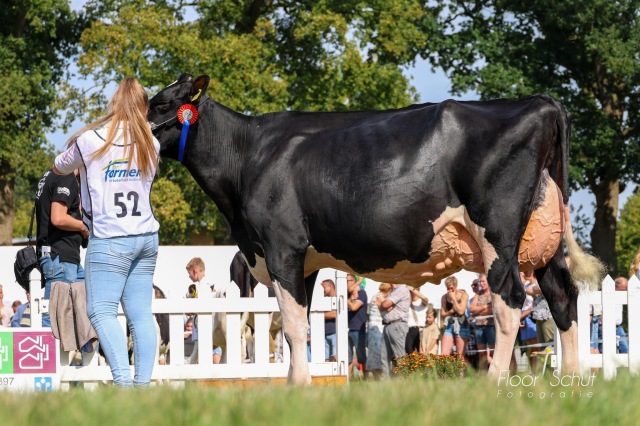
429 366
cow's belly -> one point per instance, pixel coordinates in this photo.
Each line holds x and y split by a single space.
458 244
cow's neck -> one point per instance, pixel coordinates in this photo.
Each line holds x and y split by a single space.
215 158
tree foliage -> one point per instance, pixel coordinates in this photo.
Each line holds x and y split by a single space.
583 52
35 38
263 56
628 235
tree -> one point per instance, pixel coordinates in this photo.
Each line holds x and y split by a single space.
628 235
35 38
582 52
263 56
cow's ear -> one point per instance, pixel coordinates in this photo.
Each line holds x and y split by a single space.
184 77
198 88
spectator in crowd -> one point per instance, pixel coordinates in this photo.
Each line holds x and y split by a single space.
190 338
417 319
595 315
527 332
196 270
15 305
199 288
485 331
162 319
623 346
329 288
471 354
395 314
374 332
540 313
431 334
5 311
60 231
118 159
22 317
357 316
452 313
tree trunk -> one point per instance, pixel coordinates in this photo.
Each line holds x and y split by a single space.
7 207
603 234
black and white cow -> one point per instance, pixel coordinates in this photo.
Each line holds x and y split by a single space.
403 196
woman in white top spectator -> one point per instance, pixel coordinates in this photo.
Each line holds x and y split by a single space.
118 159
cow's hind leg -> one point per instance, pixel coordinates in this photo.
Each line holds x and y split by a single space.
562 296
507 297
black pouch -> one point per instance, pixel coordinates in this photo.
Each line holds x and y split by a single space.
25 262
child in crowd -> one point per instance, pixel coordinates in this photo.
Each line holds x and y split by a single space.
195 269
430 335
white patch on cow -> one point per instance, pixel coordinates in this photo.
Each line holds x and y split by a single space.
569 341
507 323
295 327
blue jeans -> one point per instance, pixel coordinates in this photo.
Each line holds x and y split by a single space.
120 270
53 270
485 335
623 345
329 346
358 341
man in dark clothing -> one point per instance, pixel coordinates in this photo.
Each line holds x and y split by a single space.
60 231
357 315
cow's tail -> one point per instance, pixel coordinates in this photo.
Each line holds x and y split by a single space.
586 270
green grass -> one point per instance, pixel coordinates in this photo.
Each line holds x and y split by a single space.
473 402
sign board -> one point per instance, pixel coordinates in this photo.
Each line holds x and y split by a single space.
29 360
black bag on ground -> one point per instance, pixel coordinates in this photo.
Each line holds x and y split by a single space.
26 259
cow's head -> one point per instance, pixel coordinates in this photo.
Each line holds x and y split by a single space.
163 110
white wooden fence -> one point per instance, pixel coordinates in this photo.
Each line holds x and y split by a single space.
609 361
91 373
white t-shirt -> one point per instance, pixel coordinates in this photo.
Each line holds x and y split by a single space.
115 198
420 309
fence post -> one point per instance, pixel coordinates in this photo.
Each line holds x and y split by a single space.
316 323
633 321
262 329
38 304
233 353
584 332
608 328
342 326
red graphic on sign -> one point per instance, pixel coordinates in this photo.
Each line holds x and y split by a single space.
34 352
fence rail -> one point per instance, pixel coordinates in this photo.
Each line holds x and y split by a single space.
234 365
262 365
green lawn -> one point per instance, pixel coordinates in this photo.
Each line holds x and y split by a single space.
473 402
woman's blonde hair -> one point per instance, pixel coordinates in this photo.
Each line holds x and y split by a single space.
384 287
128 105
635 263
451 282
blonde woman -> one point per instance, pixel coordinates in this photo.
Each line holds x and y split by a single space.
452 313
118 158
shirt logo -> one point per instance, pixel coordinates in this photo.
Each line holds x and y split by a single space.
116 171
64 190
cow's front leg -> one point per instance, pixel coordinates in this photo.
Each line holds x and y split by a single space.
294 327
